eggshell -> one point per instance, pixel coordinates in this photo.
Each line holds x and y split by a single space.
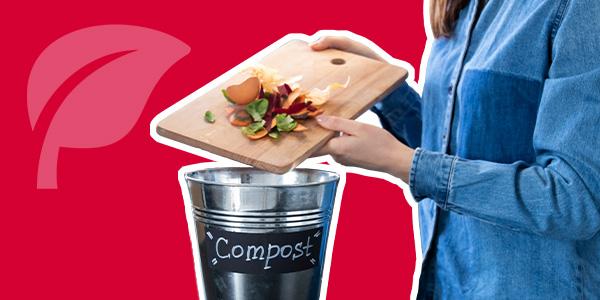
244 92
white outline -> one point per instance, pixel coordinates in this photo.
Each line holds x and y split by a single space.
368 117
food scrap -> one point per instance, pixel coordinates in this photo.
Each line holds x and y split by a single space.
209 116
267 104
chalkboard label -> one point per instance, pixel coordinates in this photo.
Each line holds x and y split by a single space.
260 253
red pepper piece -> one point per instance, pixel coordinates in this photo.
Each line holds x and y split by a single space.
294 108
284 90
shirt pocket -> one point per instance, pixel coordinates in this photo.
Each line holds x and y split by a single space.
496 116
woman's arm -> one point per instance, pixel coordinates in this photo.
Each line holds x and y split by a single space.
557 196
400 114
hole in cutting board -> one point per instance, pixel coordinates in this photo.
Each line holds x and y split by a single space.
338 61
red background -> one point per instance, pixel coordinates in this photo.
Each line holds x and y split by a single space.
96 237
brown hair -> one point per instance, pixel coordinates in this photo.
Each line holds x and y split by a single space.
443 15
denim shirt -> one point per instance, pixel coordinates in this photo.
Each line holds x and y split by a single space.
507 166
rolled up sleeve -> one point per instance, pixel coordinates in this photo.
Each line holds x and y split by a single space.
430 175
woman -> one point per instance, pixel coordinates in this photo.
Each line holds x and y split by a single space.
502 151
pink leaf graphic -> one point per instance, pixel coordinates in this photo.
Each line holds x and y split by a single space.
105 105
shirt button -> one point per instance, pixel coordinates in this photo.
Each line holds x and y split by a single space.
449 90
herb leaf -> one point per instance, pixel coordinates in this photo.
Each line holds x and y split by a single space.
257 109
274 134
253 128
209 116
285 122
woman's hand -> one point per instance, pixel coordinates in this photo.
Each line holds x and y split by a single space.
366 146
344 44
362 145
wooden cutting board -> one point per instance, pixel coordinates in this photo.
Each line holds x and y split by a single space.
370 81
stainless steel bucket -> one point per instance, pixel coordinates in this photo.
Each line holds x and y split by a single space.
262 235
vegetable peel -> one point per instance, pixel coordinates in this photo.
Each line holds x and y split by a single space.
321 96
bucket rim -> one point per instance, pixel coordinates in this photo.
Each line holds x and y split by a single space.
188 176
249 225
